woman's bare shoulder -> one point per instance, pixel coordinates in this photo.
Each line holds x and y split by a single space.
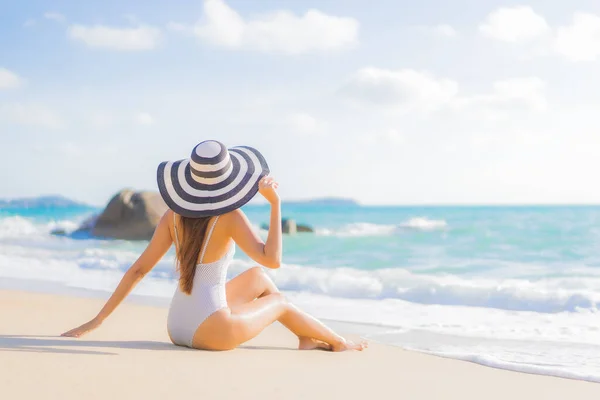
168 220
233 215
235 218
168 217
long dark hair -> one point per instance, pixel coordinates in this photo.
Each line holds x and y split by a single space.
191 238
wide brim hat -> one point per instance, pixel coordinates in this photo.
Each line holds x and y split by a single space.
213 181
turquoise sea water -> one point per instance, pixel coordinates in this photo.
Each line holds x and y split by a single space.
512 287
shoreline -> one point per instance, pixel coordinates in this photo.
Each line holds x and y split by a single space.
130 355
370 332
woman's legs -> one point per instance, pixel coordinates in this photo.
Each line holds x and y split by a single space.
255 283
251 316
228 328
249 285
249 319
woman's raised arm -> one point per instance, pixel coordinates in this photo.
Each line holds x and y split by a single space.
158 246
269 253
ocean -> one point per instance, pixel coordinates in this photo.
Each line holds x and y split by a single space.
509 287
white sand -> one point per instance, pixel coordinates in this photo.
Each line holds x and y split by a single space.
130 357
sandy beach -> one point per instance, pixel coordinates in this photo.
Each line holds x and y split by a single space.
130 356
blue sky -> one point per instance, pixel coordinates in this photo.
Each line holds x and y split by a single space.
388 102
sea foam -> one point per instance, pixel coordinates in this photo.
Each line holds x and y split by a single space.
369 229
550 295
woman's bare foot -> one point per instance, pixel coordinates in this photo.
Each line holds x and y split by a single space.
344 345
306 343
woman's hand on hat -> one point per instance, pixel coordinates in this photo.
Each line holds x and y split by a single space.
267 188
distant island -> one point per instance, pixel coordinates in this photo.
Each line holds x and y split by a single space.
41 202
324 201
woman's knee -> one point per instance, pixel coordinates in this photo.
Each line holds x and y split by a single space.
281 300
256 271
265 280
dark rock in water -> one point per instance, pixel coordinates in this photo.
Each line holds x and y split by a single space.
88 223
129 215
85 229
83 232
305 228
290 227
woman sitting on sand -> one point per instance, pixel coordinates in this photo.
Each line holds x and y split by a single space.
204 194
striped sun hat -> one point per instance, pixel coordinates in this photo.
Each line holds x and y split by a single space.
213 181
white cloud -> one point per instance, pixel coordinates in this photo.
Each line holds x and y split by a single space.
305 123
123 39
394 136
441 30
527 94
9 80
410 90
445 30
55 16
514 24
144 118
580 41
29 114
29 23
405 87
277 32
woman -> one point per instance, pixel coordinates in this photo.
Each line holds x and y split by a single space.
204 194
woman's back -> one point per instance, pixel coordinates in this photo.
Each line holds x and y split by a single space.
217 241
208 294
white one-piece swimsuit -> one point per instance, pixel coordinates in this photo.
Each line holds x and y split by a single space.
188 311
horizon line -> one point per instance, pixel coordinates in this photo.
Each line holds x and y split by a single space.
359 203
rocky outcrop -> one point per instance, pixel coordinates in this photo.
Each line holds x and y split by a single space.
129 215
304 228
290 227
